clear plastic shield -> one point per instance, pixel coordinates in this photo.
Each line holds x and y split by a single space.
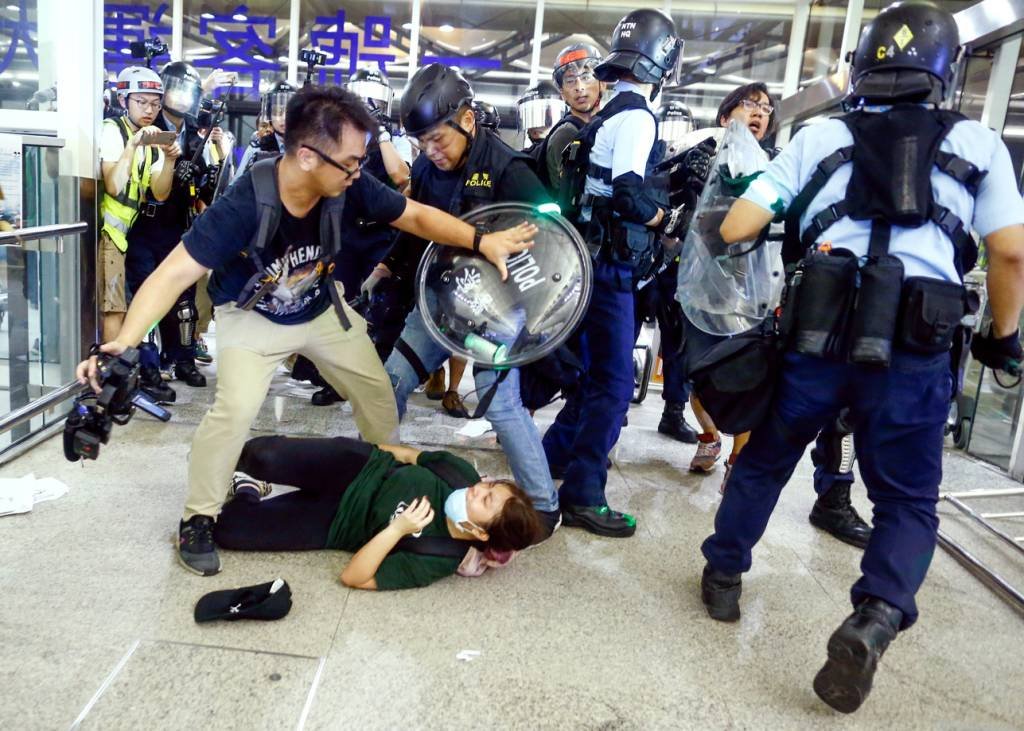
726 289
469 311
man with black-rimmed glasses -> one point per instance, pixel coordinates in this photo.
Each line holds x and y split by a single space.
325 145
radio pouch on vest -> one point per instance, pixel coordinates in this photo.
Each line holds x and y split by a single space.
268 204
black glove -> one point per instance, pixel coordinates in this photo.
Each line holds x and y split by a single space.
697 162
999 354
386 123
186 171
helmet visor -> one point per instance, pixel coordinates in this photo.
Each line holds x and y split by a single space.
540 113
377 96
674 75
277 107
181 97
576 72
675 128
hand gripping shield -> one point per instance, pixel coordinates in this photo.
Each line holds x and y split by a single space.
726 289
470 312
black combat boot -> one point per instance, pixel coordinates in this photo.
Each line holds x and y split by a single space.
153 386
721 594
326 396
186 371
853 654
834 513
673 423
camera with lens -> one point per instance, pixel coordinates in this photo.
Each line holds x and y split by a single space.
312 57
148 49
93 414
211 111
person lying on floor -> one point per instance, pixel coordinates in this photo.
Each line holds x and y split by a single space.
377 501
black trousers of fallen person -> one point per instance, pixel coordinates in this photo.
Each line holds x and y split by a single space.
322 469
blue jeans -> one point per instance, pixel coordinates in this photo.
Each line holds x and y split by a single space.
898 415
513 424
588 426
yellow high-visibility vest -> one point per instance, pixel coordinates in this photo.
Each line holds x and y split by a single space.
119 212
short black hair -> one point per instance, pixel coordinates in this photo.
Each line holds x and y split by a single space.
315 116
748 91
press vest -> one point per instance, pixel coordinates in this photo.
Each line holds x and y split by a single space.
119 212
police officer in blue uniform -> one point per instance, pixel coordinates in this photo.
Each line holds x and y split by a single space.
462 167
880 199
611 160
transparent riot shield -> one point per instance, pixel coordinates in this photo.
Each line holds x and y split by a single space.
469 311
726 289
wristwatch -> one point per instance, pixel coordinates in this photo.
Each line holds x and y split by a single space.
383 136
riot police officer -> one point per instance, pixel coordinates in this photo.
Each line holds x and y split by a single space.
537 110
160 226
607 177
487 115
462 167
880 200
573 74
269 138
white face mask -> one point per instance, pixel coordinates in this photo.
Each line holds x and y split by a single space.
457 509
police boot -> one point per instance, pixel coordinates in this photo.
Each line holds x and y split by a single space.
853 654
153 386
186 371
673 423
834 513
326 396
721 594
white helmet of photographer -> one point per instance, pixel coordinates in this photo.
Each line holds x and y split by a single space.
138 79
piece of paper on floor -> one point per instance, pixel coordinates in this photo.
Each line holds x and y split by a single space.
475 428
19 494
467 655
48 488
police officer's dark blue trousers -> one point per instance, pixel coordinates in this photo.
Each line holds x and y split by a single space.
898 416
588 425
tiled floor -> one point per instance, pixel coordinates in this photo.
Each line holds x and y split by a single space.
581 632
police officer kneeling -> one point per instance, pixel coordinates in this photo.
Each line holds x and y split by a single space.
892 187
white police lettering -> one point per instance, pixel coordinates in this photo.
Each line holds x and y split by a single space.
626 30
524 270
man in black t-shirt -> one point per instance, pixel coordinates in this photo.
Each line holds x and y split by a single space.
325 145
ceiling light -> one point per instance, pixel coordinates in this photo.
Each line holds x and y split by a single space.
282 59
15 8
208 16
240 17
406 26
15 83
126 51
445 28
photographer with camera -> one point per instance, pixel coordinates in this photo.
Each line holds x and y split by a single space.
272 242
134 175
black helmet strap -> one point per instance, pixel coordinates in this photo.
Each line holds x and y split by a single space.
469 139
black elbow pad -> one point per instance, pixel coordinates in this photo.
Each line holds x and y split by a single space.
630 201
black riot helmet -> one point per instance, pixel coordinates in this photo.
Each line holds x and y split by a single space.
646 45
486 114
908 53
372 86
182 89
435 94
274 104
578 56
675 120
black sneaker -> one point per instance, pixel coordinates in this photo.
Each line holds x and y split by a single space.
853 654
242 481
325 397
673 423
599 520
834 513
186 371
195 545
153 385
721 594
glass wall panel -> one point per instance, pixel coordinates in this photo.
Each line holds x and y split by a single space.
19 59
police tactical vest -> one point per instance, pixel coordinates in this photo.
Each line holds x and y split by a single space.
119 212
268 203
892 156
539 153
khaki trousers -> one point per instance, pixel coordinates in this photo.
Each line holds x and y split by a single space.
249 350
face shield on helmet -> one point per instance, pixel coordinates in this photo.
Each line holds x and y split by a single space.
576 72
377 96
540 107
181 96
275 108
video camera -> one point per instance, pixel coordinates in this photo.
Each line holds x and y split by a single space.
312 58
94 414
148 49
211 112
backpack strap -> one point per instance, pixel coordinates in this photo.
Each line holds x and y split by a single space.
331 211
268 208
442 546
792 246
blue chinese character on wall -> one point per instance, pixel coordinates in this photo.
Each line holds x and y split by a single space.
125 24
20 32
242 47
343 48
